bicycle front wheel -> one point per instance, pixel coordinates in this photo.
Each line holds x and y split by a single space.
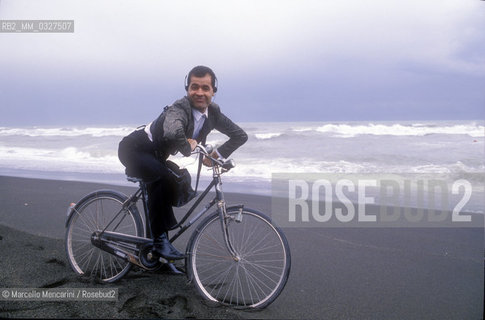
92 214
254 278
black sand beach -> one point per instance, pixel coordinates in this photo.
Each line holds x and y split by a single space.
354 273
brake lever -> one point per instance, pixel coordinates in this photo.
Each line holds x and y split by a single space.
204 150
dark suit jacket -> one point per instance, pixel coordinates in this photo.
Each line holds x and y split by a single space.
176 123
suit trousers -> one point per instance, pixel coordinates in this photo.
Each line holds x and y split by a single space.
136 153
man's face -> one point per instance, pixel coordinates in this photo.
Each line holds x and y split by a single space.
200 92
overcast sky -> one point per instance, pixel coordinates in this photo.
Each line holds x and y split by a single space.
276 60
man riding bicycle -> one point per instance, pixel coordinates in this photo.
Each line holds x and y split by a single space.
179 128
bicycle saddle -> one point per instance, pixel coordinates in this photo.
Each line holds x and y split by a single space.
131 177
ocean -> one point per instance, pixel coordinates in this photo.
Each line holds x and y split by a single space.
89 153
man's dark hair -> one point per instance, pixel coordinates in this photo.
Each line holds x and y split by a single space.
199 72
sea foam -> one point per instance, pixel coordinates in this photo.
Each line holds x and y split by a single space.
452 146
348 131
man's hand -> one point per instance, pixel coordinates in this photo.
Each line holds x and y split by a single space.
208 162
193 144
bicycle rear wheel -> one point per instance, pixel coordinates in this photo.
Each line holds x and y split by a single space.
92 214
256 277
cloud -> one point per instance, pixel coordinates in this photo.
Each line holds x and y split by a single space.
354 49
143 34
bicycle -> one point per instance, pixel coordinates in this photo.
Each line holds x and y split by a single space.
236 256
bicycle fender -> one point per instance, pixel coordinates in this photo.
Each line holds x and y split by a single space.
88 196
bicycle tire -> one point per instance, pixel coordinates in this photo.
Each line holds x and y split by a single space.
219 278
92 214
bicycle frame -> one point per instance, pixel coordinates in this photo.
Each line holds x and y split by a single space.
221 208
105 239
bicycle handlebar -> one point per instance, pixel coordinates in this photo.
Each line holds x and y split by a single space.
206 151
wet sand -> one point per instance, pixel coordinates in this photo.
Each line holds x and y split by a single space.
337 273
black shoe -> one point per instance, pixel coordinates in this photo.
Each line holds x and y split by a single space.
165 249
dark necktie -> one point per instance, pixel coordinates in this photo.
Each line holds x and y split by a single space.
204 131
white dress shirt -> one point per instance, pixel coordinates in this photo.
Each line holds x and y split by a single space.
199 119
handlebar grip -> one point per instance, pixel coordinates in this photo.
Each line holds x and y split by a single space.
209 148
229 164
